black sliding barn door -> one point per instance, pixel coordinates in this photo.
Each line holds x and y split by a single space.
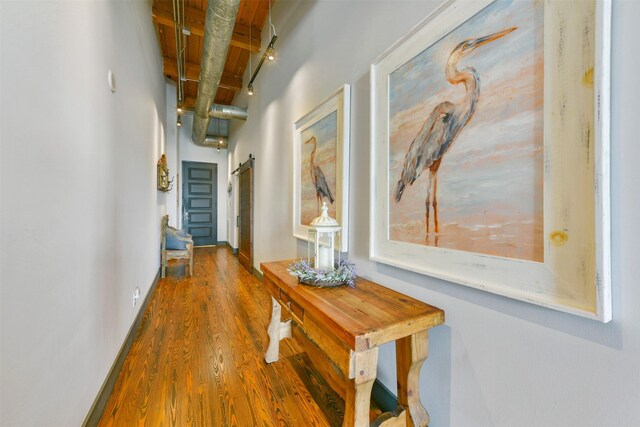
245 217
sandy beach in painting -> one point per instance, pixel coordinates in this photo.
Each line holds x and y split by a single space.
490 182
325 131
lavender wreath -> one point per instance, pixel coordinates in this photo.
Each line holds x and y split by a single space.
344 274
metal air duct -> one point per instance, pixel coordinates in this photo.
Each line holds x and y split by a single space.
219 23
228 112
215 141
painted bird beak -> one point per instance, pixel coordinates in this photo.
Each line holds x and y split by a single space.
475 43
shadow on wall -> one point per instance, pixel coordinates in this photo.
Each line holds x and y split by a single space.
437 370
359 185
291 38
296 11
609 334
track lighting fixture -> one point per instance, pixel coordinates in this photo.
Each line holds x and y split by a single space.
179 122
269 53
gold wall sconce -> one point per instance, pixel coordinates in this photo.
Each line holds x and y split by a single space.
164 183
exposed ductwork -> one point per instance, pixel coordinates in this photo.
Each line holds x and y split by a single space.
219 23
228 112
215 141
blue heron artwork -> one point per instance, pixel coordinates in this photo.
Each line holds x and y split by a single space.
318 167
466 137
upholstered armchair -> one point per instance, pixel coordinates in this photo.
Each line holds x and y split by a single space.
176 244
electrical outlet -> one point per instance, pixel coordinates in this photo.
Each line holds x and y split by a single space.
136 295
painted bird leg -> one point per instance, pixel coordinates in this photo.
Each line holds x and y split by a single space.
435 203
427 205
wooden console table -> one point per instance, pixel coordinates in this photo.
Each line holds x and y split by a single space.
341 329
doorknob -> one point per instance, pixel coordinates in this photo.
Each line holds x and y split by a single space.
186 216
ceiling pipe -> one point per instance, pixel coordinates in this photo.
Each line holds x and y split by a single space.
216 141
228 112
219 23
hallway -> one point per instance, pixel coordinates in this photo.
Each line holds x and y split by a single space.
197 358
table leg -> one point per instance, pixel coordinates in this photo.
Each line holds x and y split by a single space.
277 330
362 374
411 352
274 332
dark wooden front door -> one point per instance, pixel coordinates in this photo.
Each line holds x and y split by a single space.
200 202
245 252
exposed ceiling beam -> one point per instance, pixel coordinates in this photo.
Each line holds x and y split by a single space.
189 103
192 72
194 19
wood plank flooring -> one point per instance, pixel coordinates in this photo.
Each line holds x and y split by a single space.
197 358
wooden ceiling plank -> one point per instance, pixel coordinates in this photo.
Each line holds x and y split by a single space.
241 12
189 103
232 59
192 72
242 40
193 52
162 13
224 96
260 17
162 37
241 64
258 6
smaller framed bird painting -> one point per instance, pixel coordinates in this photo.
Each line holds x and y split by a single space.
489 151
321 164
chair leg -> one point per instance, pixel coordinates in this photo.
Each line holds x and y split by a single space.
163 261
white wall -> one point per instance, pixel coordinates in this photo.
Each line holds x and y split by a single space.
496 362
173 204
233 204
80 226
189 151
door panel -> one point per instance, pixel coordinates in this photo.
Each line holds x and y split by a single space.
198 218
200 232
200 189
245 250
200 202
200 174
195 202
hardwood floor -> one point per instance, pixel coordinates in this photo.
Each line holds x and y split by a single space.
197 358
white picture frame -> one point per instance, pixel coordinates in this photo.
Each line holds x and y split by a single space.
339 103
575 277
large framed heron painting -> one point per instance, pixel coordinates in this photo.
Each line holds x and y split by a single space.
321 164
490 151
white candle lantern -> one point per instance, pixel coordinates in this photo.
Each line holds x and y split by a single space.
324 235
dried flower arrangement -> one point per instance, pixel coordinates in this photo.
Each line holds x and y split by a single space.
343 274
